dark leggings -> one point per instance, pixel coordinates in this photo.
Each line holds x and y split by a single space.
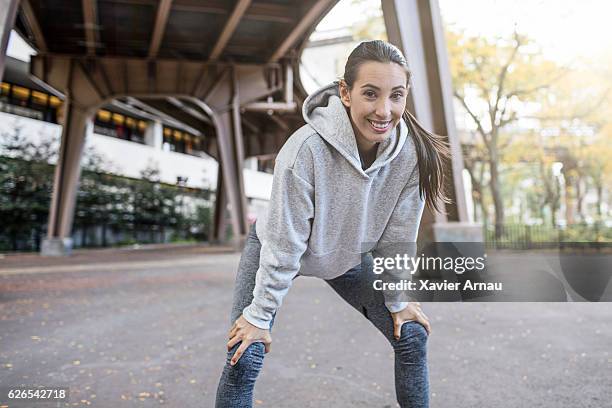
355 286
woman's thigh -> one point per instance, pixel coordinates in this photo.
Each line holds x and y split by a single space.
356 287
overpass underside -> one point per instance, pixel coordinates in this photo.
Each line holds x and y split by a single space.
222 68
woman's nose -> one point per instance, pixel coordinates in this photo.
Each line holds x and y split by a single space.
383 109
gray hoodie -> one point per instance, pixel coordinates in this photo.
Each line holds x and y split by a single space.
325 208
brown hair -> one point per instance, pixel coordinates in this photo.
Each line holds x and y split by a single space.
432 150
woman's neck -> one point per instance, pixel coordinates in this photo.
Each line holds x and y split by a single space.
367 152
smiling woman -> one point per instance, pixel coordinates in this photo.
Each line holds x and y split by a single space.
360 170
375 109
377 81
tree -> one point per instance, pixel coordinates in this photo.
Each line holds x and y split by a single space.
101 197
474 161
26 181
103 200
493 82
574 114
598 167
508 92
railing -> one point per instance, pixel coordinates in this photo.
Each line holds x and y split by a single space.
102 235
521 236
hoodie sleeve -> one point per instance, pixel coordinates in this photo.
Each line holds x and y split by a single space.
288 225
400 236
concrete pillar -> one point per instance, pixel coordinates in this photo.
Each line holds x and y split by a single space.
8 11
231 166
219 223
238 139
223 106
154 135
415 26
65 185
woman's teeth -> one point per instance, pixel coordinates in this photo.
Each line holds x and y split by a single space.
379 125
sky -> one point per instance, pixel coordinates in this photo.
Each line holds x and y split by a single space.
565 29
18 48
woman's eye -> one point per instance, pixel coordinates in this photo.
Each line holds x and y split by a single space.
397 95
369 94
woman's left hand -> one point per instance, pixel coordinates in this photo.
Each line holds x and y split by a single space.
412 312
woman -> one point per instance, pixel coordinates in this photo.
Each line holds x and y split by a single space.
358 174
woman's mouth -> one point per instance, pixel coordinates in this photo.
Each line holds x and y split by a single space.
380 127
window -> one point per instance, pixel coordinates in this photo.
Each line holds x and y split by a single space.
5 89
21 95
29 103
119 126
40 98
181 142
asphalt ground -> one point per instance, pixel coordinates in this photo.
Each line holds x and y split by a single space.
147 328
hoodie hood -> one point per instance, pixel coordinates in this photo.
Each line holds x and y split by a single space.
324 111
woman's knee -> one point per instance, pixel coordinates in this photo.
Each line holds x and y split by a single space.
412 345
251 360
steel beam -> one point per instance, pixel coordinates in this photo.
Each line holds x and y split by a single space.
279 13
153 107
229 28
34 26
90 17
305 23
133 77
189 110
152 113
161 19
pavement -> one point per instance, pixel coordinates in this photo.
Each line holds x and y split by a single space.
147 328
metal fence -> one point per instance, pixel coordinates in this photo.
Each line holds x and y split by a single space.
521 236
100 235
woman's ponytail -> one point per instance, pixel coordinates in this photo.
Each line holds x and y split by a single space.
433 154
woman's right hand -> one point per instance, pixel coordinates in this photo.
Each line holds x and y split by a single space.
245 332
410 313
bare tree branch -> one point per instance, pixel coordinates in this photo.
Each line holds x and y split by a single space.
502 78
503 122
502 147
473 116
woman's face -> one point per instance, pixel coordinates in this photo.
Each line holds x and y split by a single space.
377 100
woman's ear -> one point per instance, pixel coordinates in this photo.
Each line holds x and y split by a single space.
345 96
